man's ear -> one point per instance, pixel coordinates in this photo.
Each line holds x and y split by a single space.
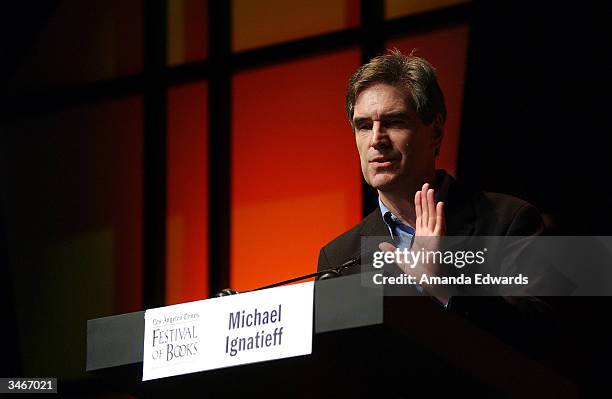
438 133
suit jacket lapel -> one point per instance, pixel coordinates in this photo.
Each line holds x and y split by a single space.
373 225
460 213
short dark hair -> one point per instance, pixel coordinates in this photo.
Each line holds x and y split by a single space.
407 72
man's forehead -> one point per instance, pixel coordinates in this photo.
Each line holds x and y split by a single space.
379 100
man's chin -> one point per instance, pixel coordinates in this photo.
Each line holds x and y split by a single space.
383 183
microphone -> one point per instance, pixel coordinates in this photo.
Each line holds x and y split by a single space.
226 292
337 271
322 275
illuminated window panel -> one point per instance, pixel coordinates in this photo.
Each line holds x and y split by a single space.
266 22
296 181
446 49
96 190
187 31
402 8
85 41
187 207
74 193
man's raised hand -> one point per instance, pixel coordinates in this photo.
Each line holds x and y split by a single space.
430 220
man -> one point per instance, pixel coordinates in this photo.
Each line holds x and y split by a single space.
397 113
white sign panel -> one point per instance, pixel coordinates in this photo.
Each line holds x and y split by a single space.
251 327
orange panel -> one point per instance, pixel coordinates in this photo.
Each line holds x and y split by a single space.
265 22
446 49
187 211
296 181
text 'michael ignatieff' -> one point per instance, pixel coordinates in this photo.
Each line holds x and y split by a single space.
262 339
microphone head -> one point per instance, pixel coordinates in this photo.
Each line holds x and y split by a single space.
328 275
226 292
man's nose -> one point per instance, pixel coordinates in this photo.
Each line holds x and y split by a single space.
380 139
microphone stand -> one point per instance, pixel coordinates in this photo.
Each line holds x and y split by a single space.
322 275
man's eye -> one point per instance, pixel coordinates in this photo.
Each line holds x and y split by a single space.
396 123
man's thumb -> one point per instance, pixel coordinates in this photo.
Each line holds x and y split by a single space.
386 247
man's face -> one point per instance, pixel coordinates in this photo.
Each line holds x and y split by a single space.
395 148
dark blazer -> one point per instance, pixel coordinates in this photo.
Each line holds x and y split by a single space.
468 213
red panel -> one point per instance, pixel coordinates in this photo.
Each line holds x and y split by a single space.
353 13
187 211
128 58
446 49
296 181
125 166
196 32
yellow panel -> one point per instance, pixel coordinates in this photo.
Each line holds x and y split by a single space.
264 22
176 48
67 271
187 31
401 8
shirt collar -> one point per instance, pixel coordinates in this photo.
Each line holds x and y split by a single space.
386 213
443 184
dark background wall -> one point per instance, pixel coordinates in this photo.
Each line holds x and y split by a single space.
535 121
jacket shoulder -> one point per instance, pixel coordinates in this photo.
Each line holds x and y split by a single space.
503 214
346 246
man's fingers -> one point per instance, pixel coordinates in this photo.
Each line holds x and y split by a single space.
417 209
424 210
440 222
431 210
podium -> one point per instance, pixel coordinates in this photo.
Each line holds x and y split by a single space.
365 344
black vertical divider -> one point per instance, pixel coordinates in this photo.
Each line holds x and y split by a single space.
154 155
372 44
219 111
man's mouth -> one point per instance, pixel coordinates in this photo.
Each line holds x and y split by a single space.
382 162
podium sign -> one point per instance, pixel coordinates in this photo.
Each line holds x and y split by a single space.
228 331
